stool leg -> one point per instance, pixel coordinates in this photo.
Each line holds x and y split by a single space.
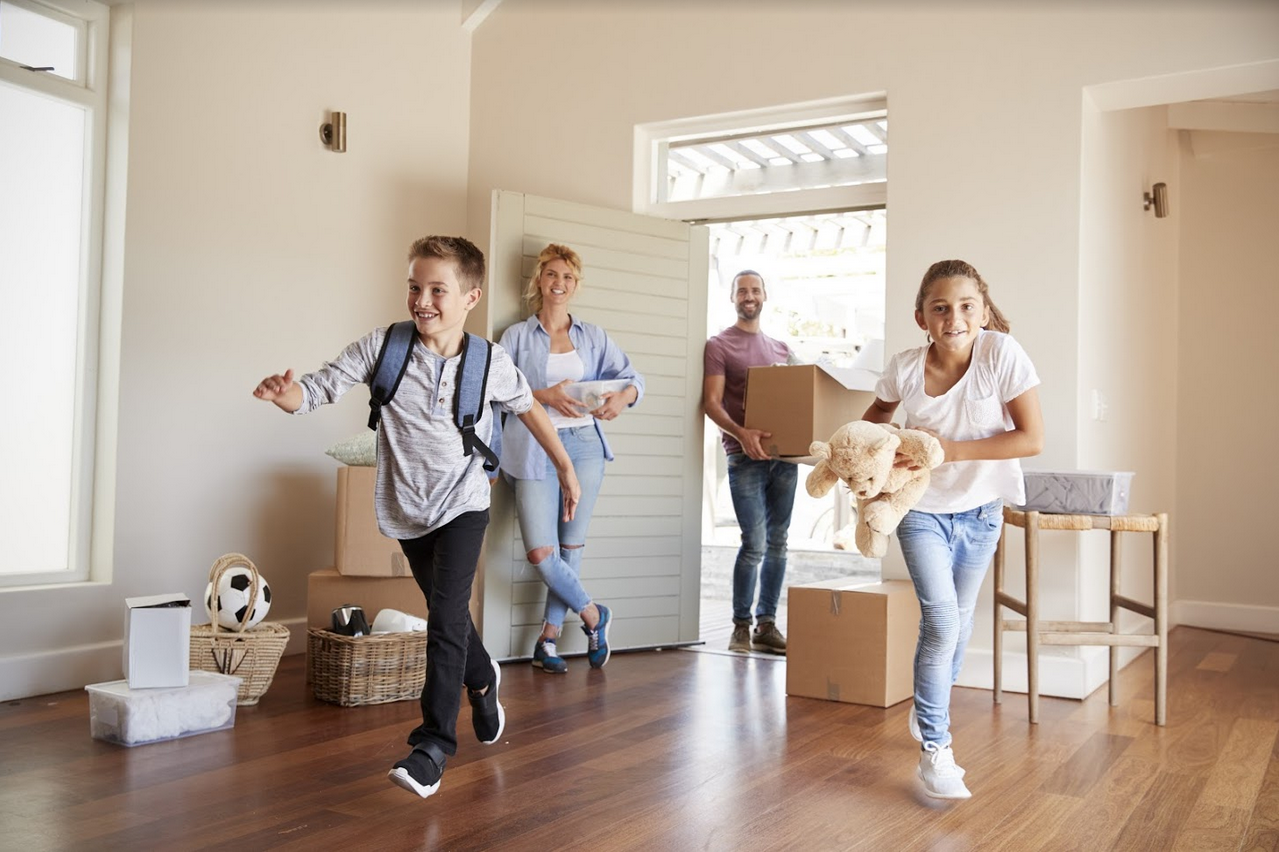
1116 562
999 618
1032 614
1161 620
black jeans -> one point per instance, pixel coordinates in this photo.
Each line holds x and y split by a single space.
443 563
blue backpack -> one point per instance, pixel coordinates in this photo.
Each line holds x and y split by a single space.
468 401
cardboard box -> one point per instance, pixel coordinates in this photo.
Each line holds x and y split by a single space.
852 641
800 404
130 717
157 640
327 590
360 548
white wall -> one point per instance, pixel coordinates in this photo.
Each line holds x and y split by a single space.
986 120
1227 405
1128 327
249 248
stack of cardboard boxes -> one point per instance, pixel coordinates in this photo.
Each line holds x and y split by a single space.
370 570
848 640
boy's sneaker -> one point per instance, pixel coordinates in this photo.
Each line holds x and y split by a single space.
547 658
487 714
942 778
597 651
421 771
912 723
741 640
768 638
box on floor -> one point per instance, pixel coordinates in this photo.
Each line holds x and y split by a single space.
360 549
157 640
800 404
852 641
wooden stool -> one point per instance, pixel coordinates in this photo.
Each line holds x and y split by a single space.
1079 632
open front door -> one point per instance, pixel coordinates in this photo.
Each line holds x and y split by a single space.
645 284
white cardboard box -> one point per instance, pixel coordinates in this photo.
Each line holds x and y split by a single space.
132 717
157 641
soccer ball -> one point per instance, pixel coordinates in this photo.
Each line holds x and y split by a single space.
233 598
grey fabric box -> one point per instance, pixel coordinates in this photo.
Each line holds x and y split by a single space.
1078 492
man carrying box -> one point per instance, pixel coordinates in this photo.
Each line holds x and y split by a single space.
763 488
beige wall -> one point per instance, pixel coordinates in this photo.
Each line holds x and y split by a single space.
1226 401
1128 327
249 248
987 125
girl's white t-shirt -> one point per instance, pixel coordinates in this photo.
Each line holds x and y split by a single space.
976 407
561 366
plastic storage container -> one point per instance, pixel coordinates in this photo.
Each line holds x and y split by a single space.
132 717
591 394
1078 492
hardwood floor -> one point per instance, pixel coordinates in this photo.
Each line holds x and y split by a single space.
675 750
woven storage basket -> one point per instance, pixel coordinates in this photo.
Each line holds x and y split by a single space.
356 670
250 654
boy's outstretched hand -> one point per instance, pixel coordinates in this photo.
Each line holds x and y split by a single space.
281 390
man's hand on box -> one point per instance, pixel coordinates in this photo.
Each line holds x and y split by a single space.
752 441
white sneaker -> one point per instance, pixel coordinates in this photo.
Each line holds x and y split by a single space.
912 722
942 778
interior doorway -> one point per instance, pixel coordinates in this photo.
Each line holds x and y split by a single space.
824 274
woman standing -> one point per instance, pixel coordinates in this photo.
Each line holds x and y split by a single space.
554 350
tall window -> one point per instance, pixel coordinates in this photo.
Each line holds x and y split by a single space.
52 129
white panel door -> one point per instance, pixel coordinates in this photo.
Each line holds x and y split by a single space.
644 282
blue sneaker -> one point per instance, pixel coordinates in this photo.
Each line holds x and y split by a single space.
597 652
547 658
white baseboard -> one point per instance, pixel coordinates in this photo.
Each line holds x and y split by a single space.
1226 616
40 673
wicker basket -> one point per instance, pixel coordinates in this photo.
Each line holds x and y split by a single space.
356 670
250 654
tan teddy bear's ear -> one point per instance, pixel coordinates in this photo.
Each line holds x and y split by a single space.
821 449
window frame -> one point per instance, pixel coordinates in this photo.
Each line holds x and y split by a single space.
651 141
92 482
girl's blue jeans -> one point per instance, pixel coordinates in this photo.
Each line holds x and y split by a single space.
540 509
947 556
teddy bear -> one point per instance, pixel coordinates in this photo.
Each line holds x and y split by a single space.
862 453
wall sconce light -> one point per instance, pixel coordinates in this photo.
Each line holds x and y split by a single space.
1157 198
333 133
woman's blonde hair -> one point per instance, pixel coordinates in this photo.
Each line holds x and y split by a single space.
959 269
554 251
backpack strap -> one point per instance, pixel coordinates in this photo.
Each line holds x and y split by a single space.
392 361
468 402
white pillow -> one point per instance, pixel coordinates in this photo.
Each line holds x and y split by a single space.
360 450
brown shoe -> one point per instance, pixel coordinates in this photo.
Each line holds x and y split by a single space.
741 640
768 638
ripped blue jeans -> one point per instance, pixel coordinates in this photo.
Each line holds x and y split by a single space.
947 556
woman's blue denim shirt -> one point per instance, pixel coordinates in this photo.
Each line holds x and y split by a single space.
529 346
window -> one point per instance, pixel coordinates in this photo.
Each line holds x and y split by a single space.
52 146
814 157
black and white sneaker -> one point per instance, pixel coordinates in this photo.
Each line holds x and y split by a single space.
421 771
487 714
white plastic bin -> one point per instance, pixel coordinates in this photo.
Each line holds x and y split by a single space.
1078 492
132 717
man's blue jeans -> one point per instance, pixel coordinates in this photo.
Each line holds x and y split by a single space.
539 506
947 556
763 496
